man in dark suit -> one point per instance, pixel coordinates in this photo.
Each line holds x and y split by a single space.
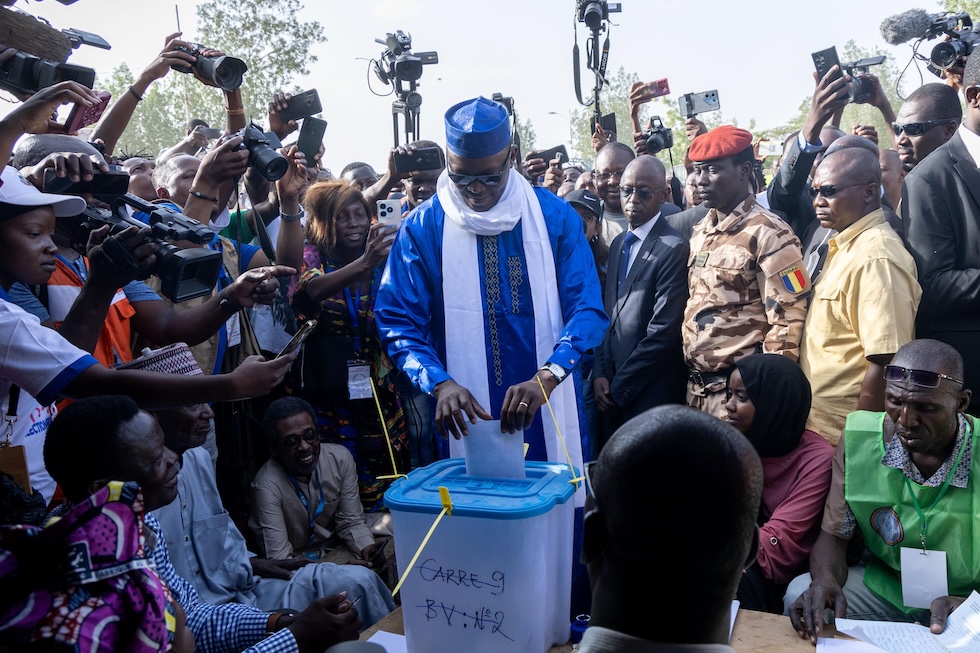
941 212
639 364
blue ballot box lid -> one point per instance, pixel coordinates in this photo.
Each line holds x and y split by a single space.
546 485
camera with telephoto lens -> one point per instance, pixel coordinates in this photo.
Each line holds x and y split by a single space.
862 90
222 71
262 154
184 273
593 12
657 136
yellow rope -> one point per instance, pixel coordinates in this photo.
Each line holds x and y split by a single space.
447 509
561 438
384 427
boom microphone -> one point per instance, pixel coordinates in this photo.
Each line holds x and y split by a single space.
908 25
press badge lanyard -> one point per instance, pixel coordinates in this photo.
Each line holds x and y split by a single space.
942 491
306 502
354 310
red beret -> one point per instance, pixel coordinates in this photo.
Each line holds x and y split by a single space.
719 143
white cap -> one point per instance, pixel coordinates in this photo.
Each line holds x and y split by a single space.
16 190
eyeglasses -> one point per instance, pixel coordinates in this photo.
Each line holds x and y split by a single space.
607 176
828 190
486 180
645 194
921 378
918 128
310 436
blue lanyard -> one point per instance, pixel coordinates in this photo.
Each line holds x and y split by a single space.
354 310
306 502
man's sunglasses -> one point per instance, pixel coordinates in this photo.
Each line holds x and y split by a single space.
310 436
486 180
921 378
645 194
918 128
828 190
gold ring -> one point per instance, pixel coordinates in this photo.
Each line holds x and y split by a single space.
525 404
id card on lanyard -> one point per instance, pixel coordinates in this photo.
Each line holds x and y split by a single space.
358 370
925 574
312 514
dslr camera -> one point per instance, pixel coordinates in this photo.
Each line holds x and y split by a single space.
594 12
222 71
657 136
184 273
262 154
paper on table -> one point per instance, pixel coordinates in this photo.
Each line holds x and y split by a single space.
492 454
390 642
825 645
731 626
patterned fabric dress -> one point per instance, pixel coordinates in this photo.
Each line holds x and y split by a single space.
355 423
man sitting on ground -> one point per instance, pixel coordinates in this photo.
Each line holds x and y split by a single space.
704 567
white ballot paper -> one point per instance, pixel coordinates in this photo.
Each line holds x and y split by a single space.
731 626
962 632
825 645
492 454
390 642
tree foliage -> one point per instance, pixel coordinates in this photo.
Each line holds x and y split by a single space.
266 34
971 7
525 129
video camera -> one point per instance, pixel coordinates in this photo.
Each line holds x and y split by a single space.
223 71
184 273
862 89
593 12
398 63
921 25
26 73
658 136
961 41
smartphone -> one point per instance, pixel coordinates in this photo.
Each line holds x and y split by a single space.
660 87
824 60
770 148
211 132
377 552
390 212
608 123
303 105
84 116
311 138
694 103
553 153
102 183
425 158
297 341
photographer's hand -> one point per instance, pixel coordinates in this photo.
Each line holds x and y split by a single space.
105 271
867 131
599 139
391 177
829 97
35 115
223 163
256 286
640 94
534 166
281 129
554 176
76 167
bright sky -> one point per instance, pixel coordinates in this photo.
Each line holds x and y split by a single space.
755 52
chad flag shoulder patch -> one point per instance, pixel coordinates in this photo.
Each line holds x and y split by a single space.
795 279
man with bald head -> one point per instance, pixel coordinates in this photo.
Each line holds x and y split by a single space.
645 295
701 568
610 163
865 298
905 468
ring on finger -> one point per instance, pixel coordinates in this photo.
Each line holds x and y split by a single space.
525 404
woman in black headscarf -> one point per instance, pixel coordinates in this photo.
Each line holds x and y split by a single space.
768 401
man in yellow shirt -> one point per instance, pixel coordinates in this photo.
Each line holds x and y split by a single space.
865 299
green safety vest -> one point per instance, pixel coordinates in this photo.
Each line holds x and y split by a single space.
879 498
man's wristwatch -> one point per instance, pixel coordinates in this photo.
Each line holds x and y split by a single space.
556 370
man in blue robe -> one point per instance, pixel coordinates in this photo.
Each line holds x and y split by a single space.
490 294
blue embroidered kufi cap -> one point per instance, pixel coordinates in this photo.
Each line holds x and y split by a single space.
477 128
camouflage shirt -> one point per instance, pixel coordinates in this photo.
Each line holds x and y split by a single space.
749 288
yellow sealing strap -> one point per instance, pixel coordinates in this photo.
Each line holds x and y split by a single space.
384 428
447 509
526 447
561 438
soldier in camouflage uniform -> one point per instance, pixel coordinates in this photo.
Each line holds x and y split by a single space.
749 289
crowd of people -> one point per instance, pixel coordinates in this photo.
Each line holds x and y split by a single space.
793 355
